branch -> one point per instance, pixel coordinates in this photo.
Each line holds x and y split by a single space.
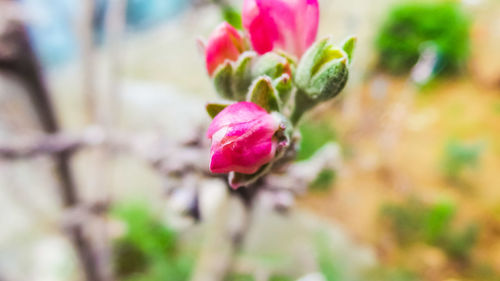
19 58
167 157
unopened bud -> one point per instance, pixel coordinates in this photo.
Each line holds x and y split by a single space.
322 73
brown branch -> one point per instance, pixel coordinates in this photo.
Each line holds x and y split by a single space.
18 57
52 144
167 157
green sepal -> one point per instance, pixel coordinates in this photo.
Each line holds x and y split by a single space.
284 132
272 65
263 94
232 16
242 76
290 59
329 80
237 180
223 80
310 59
214 108
283 86
348 46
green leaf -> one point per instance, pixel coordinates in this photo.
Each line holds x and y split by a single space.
223 80
263 94
214 108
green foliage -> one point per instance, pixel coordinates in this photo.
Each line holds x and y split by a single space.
458 157
328 264
406 220
459 243
437 220
247 277
324 180
415 221
240 277
411 24
280 278
149 250
393 274
483 272
314 136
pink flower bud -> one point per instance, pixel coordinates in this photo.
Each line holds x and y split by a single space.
242 138
289 25
225 43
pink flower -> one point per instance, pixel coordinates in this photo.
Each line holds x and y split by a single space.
242 138
225 43
290 25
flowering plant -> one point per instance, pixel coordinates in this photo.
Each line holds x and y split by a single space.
268 77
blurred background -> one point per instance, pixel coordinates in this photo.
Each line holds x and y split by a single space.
102 153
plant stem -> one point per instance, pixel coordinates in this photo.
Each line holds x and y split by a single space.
302 104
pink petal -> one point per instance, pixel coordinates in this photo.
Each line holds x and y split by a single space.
240 112
242 139
243 153
290 25
225 43
262 28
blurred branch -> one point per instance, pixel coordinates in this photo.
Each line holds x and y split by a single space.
18 57
165 156
47 145
170 158
224 241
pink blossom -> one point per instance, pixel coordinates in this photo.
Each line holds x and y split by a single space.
225 43
242 138
289 25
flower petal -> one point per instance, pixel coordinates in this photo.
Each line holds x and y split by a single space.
242 139
290 25
225 43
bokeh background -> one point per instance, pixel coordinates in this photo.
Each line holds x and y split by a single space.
100 99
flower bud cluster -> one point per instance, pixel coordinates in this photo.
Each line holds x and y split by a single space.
256 73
